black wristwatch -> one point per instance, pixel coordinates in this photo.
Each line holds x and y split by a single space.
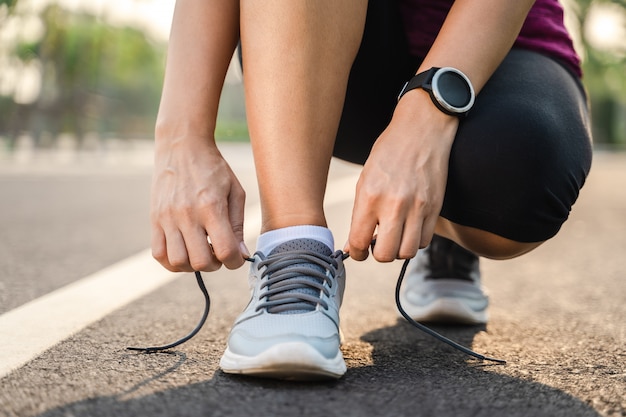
449 89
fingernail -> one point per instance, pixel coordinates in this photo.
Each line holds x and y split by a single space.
346 247
244 250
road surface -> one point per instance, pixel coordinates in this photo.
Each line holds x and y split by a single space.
74 238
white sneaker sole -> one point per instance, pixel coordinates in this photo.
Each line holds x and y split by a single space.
292 361
448 301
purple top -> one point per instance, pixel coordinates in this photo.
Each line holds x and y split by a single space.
543 31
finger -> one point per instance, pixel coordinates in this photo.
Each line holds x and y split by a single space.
159 249
199 252
177 251
361 235
226 246
411 238
388 241
236 207
428 231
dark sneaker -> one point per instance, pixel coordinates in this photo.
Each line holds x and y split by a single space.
443 285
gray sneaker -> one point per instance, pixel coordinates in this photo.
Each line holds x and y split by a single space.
290 328
443 285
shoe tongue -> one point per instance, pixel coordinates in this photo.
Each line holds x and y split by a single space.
301 245
449 260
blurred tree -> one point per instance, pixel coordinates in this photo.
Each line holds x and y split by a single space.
94 78
605 71
6 7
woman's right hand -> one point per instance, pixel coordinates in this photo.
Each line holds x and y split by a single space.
196 195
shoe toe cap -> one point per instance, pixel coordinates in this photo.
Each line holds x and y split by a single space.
252 337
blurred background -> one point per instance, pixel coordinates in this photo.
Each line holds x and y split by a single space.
84 73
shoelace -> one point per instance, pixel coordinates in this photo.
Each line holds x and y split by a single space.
300 298
288 280
207 307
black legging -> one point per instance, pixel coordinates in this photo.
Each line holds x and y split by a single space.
520 157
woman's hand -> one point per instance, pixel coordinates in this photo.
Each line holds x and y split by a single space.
401 188
195 194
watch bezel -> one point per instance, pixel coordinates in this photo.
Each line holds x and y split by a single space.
436 91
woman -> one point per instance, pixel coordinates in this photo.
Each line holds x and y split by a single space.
483 153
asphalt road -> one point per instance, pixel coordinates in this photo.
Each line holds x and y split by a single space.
558 314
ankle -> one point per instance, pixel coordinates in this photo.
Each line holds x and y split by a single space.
270 239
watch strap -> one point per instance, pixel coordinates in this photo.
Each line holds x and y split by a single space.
418 81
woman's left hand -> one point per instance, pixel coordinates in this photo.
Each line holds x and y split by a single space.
401 188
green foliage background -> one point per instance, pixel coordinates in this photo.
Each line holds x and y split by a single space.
97 78
605 80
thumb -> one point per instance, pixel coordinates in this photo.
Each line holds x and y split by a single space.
236 209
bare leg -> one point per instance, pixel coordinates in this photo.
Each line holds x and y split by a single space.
297 56
481 242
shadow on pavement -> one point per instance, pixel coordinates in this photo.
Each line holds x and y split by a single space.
392 371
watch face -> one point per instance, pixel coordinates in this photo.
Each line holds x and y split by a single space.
453 90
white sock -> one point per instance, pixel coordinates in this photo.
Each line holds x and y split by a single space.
269 240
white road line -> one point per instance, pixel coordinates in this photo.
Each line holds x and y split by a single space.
29 330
